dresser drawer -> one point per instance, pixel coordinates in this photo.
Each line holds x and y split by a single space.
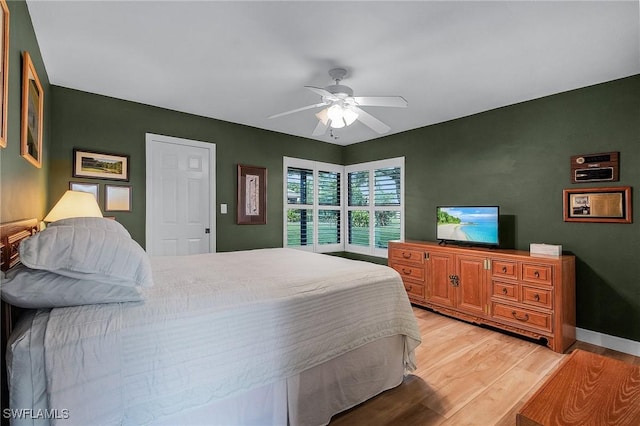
409 272
502 268
537 297
522 316
414 290
407 255
540 274
505 290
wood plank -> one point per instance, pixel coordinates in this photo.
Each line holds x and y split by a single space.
507 391
587 389
451 349
483 364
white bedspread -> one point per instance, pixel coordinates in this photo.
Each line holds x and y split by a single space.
215 325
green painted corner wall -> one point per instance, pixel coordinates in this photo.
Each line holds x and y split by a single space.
104 124
23 192
518 158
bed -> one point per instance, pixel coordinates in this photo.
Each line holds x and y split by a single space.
269 336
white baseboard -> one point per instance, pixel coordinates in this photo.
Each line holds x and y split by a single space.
606 341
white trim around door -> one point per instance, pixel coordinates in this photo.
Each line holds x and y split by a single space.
151 141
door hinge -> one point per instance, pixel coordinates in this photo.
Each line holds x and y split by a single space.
426 255
487 264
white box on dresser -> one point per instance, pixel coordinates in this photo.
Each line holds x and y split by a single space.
545 249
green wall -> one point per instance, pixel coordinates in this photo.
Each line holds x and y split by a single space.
518 157
100 123
23 191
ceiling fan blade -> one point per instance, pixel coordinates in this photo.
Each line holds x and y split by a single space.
370 121
321 128
297 110
381 101
321 92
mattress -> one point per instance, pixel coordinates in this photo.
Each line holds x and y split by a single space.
213 326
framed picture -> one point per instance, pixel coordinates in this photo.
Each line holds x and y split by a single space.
4 70
251 205
91 188
117 198
100 165
598 204
32 113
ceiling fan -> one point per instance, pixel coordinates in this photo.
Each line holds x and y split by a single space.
342 108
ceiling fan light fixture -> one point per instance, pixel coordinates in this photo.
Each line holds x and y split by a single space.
340 116
322 116
349 116
337 124
334 112
341 108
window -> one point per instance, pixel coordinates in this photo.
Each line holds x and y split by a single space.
315 205
375 206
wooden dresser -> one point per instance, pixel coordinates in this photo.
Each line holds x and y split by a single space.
509 289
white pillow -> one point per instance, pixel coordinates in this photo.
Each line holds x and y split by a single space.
88 253
35 289
93 222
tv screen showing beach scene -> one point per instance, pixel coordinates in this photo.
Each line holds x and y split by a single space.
468 224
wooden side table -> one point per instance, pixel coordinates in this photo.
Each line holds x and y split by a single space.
587 389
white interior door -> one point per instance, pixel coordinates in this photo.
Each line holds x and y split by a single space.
180 216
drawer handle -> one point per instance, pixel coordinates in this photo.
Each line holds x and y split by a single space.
406 255
504 290
536 274
404 271
504 269
408 289
524 319
536 297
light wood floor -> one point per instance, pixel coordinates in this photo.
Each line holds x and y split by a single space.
467 375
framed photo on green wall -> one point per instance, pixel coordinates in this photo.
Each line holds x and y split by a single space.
117 198
611 204
4 70
100 165
32 113
251 204
91 188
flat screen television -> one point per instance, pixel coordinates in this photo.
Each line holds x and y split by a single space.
472 225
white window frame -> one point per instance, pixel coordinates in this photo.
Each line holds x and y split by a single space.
344 209
371 166
316 167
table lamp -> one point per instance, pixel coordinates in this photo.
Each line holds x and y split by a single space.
74 204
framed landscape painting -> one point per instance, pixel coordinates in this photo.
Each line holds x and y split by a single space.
100 165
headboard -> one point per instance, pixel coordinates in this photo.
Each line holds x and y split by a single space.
11 234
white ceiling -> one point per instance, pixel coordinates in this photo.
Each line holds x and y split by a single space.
243 61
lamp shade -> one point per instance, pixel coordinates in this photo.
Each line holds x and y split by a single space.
322 116
74 204
349 116
339 116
